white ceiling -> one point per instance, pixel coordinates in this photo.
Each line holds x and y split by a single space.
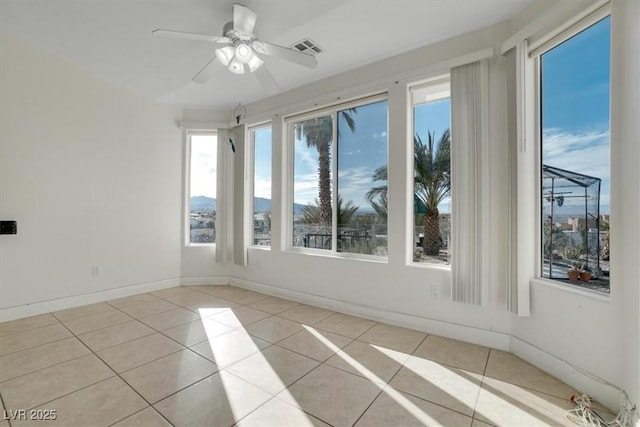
113 39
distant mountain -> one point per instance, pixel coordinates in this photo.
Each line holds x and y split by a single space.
206 204
203 203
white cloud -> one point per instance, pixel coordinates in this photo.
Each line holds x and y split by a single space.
584 152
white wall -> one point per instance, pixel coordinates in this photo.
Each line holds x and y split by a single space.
92 174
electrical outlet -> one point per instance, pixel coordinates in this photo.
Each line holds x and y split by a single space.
434 291
95 271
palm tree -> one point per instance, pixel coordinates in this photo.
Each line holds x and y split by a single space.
377 196
318 133
311 214
432 182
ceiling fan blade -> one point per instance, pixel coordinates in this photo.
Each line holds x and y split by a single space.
207 71
244 19
266 80
300 58
189 36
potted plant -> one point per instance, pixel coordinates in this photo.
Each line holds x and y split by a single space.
585 273
573 274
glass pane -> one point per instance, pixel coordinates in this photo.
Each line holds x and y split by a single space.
432 174
312 209
362 179
575 159
202 209
261 138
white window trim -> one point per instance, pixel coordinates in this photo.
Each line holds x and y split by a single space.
289 154
529 159
188 133
437 79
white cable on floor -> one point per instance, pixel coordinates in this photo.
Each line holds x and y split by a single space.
585 415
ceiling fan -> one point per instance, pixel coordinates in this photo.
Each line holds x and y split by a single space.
240 49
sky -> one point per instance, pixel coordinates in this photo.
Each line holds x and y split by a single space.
262 162
575 106
203 165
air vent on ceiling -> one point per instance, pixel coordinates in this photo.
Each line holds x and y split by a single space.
307 46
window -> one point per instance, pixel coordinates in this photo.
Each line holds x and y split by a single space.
202 187
432 171
575 171
261 143
340 180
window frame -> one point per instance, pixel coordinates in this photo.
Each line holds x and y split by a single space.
289 122
187 177
251 182
434 80
530 129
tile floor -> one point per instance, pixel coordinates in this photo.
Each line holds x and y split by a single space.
223 356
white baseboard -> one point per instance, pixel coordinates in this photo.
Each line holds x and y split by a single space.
605 393
26 310
204 280
465 333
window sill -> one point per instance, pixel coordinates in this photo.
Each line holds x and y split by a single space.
573 289
338 255
428 266
260 247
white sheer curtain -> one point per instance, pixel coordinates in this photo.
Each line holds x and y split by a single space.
469 85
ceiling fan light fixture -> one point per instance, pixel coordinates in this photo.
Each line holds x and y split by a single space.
225 55
255 63
244 53
236 66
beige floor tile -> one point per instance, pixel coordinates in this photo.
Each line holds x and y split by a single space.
477 423
148 417
196 332
332 395
147 309
240 316
505 404
169 374
510 368
47 384
393 408
133 300
221 400
170 292
114 335
244 297
306 314
218 290
83 311
319 347
273 305
101 404
229 348
26 361
22 325
170 319
137 352
211 306
274 329
343 324
393 337
277 413
447 386
273 369
32 338
366 361
193 297
98 321
469 357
